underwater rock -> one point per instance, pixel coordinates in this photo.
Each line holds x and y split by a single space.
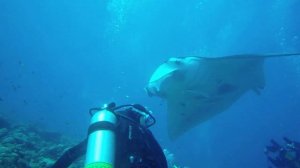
54 150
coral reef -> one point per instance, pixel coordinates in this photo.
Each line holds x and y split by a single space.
171 160
25 146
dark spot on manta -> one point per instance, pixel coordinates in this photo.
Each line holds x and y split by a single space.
226 88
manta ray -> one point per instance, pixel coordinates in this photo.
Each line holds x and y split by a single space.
198 88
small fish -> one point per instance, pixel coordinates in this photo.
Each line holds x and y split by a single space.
15 87
20 63
67 123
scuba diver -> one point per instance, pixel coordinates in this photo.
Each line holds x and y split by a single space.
287 156
118 137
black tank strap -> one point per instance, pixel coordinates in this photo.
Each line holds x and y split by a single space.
101 125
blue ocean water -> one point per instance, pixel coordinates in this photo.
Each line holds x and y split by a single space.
58 58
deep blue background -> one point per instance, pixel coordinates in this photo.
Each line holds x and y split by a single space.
58 58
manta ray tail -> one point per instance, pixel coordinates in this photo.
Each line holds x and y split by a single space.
280 55
253 56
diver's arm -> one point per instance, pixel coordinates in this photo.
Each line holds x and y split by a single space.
71 155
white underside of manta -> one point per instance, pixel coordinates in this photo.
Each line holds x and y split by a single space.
197 88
